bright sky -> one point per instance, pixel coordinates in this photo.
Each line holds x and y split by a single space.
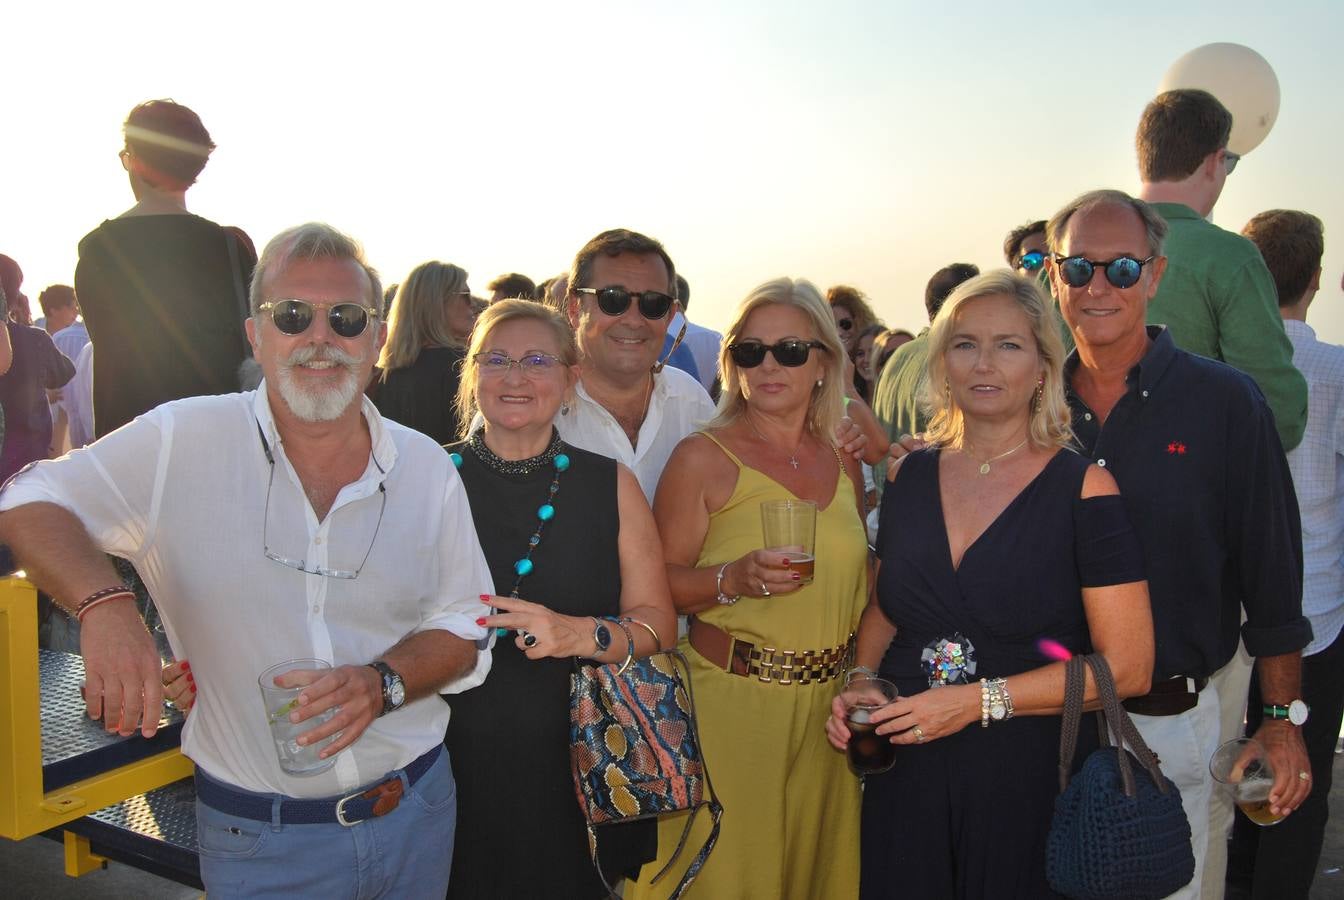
860 142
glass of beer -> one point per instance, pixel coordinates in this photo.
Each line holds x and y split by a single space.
790 527
1243 768
295 758
869 752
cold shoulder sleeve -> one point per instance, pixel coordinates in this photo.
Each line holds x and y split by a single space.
1106 548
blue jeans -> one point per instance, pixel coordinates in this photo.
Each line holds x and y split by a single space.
406 853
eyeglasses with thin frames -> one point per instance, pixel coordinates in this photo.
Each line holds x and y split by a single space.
299 564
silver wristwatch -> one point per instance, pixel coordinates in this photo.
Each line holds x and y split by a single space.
394 689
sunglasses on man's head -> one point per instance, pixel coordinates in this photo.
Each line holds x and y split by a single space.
1122 272
844 324
614 301
790 352
1032 260
293 317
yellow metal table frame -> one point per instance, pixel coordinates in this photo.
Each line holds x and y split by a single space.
25 810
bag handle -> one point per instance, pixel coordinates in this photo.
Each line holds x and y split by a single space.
1111 719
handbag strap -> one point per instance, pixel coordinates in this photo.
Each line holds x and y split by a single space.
1073 713
1123 727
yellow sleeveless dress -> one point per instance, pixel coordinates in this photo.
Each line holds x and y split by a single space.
791 805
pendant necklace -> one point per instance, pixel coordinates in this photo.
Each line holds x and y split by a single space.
552 455
793 457
984 466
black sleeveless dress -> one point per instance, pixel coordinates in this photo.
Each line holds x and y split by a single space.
520 833
967 815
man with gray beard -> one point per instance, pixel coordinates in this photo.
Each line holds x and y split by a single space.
291 523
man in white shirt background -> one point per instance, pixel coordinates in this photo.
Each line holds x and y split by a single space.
1280 862
291 522
621 297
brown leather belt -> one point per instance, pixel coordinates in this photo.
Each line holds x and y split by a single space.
768 664
1168 698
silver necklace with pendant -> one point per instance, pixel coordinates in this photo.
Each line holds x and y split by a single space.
793 457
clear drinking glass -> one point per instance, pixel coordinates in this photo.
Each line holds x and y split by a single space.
295 758
790 526
1242 768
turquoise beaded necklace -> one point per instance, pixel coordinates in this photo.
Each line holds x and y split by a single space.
524 566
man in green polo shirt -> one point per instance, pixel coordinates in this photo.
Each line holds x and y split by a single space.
1217 298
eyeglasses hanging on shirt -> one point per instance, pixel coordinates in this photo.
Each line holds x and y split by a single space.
299 564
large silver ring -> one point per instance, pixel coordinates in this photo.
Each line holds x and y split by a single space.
765 591
919 735
529 639
1305 776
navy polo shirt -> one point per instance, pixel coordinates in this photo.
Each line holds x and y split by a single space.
1192 445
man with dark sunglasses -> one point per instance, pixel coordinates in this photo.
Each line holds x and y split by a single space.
1217 298
1192 444
288 523
628 405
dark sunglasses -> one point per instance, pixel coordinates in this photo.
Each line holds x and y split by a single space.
293 317
615 301
844 324
791 352
1122 272
1231 159
1031 261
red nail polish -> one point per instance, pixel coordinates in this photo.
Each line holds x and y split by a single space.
795 576
485 598
481 621
191 679
193 688
186 666
786 562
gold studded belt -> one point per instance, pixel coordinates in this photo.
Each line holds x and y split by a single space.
768 664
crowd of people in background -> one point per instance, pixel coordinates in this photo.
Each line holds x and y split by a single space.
1126 441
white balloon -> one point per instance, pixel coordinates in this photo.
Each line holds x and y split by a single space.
1241 79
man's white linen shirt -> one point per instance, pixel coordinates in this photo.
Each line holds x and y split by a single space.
678 406
181 493
1317 465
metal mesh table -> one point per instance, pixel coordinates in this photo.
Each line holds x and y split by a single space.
74 746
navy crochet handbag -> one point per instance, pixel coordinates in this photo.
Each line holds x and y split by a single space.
1114 835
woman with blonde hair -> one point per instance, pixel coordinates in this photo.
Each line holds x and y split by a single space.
766 648
1026 556
421 362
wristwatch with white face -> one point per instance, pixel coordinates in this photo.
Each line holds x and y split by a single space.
394 689
1295 712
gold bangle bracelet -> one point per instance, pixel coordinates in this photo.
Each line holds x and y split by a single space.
629 646
657 642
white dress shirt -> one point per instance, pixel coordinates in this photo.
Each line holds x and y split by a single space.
181 493
1317 465
678 405
77 399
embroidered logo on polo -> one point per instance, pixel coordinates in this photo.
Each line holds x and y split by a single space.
948 661
1175 448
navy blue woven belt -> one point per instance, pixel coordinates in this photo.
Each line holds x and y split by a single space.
352 808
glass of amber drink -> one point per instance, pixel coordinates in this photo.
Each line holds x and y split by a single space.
1242 768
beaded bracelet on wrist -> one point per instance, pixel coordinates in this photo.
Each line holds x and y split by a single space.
97 598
